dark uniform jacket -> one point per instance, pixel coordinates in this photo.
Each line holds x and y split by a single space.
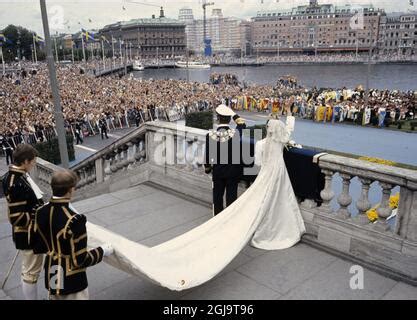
225 158
103 125
61 233
5 144
22 205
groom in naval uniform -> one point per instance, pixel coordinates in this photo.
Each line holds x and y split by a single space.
223 157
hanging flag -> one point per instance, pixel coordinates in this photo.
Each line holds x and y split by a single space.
38 39
381 116
366 117
88 35
4 40
336 113
105 39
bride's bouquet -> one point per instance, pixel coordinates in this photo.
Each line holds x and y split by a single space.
292 144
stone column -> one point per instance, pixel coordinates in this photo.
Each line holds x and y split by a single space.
406 226
99 170
327 194
190 155
345 199
363 203
384 211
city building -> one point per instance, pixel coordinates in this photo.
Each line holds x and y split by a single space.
316 28
398 33
227 34
186 16
156 37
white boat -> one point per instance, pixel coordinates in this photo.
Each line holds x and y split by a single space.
138 66
192 65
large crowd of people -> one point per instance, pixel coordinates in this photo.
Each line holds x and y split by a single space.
26 105
378 108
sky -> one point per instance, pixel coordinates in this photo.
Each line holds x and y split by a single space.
68 16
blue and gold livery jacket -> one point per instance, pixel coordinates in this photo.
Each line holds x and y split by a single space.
22 204
61 234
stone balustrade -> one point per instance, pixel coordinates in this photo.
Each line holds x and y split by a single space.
42 175
387 178
172 157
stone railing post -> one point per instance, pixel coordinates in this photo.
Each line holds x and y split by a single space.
119 158
363 204
113 166
345 199
107 167
406 226
200 156
180 151
131 153
100 174
327 194
384 211
190 155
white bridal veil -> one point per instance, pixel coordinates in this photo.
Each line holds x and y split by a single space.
267 215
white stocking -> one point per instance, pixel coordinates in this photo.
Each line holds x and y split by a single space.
30 291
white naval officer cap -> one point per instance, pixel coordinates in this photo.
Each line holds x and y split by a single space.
225 111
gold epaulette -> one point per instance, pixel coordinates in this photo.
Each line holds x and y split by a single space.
240 121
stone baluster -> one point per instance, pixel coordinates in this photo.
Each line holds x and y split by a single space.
119 157
87 175
107 167
141 152
131 153
180 151
327 194
92 174
125 153
81 174
384 210
113 166
308 204
189 155
345 199
363 204
200 159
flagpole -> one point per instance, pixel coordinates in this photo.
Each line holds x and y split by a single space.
130 46
56 52
82 43
72 51
112 47
104 58
34 48
59 117
121 53
92 56
2 60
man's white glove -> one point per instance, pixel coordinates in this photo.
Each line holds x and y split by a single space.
107 249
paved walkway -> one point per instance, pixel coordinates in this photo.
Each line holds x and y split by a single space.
150 217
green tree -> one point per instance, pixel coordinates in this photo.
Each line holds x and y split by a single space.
20 40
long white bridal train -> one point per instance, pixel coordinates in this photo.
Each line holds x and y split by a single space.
267 214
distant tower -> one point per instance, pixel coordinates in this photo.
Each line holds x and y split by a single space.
186 15
313 3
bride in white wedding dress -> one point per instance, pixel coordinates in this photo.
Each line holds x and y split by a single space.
267 215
